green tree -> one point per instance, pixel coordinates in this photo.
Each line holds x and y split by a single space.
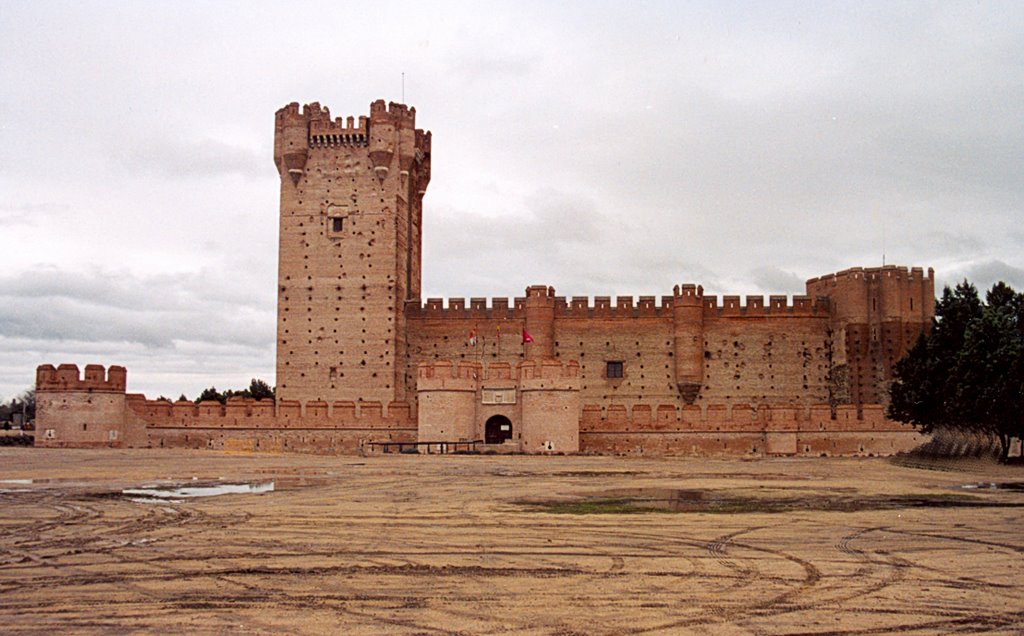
921 386
988 377
260 390
211 394
967 375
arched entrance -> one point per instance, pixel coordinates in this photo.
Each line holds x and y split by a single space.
497 429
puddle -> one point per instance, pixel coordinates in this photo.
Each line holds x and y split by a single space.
156 494
666 500
598 473
1012 486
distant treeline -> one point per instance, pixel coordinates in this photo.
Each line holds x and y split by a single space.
258 390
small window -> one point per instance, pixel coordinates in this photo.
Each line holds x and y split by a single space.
614 370
336 223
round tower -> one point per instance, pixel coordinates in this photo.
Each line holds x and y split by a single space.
382 136
688 331
291 142
540 322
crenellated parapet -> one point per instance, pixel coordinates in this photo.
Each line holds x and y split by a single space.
618 307
548 375
737 418
497 308
96 379
389 132
877 294
898 272
778 305
246 413
447 376
393 134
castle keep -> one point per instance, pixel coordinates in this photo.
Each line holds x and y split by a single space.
363 359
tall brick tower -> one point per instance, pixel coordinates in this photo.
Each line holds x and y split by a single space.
878 313
350 257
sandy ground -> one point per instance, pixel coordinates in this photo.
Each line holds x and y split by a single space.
441 545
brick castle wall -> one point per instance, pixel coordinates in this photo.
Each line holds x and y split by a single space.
548 412
742 430
95 410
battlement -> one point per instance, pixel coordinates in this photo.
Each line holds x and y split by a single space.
878 294
739 418
326 133
480 308
96 379
395 113
320 131
266 414
778 305
875 273
618 306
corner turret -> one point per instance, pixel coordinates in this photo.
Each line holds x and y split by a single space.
291 141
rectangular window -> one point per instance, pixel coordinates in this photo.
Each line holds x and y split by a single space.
336 223
614 370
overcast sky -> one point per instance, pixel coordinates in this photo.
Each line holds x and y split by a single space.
602 148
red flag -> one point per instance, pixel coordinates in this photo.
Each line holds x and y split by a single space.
527 337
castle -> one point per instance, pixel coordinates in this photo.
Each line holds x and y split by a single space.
364 364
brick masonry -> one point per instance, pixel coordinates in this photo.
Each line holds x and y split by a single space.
362 358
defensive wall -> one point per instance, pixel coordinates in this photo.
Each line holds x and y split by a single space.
541 400
718 430
679 350
96 411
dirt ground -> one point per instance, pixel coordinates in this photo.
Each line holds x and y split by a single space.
506 545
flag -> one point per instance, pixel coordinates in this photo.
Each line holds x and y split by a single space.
527 337
499 332
472 338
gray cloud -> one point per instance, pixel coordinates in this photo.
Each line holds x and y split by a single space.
984 274
204 158
29 213
112 306
776 280
612 150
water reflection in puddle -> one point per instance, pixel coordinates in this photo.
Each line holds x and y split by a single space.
1017 486
178 494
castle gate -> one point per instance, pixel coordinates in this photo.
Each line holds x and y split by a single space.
497 429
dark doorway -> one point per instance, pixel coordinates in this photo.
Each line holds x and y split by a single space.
497 430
